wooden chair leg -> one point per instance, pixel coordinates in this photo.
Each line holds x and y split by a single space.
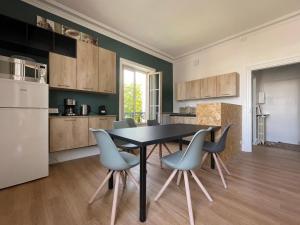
219 170
164 144
179 178
201 185
204 158
222 164
165 185
123 178
133 179
188 197
153 148
160 155
101 186
115 199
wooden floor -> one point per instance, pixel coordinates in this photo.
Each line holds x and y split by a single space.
264 189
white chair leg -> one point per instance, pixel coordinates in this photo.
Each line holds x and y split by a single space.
123 178
188 197
160 155
219 170
164 144
201 186
133 179
204 158
152 150
115 199
222 164
179 178
165 185
100 187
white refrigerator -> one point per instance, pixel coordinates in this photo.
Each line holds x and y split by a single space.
23 132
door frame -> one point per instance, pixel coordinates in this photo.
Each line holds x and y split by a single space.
248 135
129 63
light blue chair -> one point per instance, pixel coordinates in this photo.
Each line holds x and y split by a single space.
184 162
116 162
123 144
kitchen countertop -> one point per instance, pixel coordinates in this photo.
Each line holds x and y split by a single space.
183 114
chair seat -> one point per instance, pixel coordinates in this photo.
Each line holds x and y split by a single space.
173 159
130 159
128 146
210 147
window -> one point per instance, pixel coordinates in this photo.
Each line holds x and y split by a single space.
140 92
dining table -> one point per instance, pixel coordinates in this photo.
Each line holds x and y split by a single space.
148 135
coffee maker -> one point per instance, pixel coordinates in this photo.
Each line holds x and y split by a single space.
70 105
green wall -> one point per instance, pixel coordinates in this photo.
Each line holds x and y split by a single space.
25 12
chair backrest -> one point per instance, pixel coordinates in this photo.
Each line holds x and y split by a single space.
220 146
152 123
109 154
191 158
131 122
120 124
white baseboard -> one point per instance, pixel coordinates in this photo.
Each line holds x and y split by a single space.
67 155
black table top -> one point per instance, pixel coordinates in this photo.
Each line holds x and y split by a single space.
155 134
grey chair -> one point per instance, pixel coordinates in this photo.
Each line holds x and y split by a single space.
184 162
116 162
156 123
122 144
130 122
215 148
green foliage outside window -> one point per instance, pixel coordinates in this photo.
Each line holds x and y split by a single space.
129 102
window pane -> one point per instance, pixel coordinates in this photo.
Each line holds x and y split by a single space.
140 97
128 93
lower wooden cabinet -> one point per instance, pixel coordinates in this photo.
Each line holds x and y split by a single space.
68 133
183 119
73 132
99 122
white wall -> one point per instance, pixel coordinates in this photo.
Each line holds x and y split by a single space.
281 86
277 42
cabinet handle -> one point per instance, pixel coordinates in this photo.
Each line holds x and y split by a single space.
63 85
224 94
88 89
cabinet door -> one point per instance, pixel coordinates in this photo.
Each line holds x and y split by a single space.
62 71
107 71
87 66
193 89
209 87
68 133
190 120
180 91
228 85
177 119
99 122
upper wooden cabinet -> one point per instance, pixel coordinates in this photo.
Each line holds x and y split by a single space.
193 89
62 71
209 87
181 91
228 85
87 67
107 71
68 133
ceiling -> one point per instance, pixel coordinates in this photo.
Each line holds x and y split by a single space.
179 27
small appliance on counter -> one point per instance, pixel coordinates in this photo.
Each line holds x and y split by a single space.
70 107
85 110
53 111
102 110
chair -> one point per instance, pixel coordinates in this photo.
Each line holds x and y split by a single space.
156 123
184 162
123 144
215 148
130 122
116 162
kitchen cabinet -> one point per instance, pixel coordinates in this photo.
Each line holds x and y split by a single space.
183 119
68 133
107 71
87 67
193 89
209 87
181 91
62 71
228 85
99 122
